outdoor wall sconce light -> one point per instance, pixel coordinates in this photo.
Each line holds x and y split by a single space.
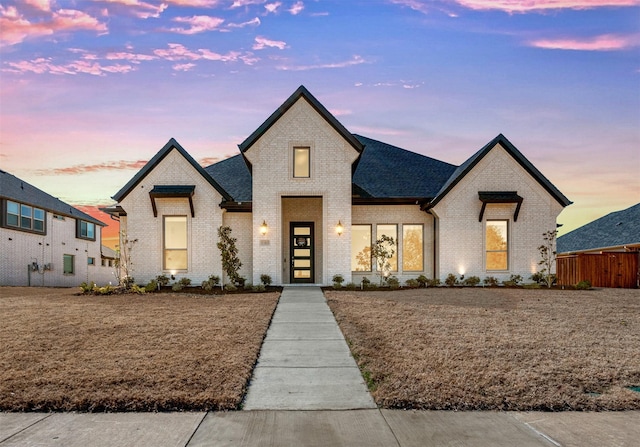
263 228
173 275
339 228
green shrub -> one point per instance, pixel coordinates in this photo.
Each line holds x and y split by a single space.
515 279
87 288
583 285
163 280
451 280
185 282
490 281
350 286
177 287
259 288
435 282
541 278
128 281
337 281
209 284
533 285
471 281
106 290
137 289
393 282
422 281
413 283
151 286
265 279
230 287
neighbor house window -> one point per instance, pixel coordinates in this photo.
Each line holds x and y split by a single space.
24 217
412 248
361 248
301 162
175 242
390 231
86 230
68 264
497 245
91 261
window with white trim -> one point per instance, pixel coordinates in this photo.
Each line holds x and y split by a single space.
24 217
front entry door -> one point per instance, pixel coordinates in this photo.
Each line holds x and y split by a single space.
301 252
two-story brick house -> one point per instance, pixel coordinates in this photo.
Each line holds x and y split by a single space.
306 199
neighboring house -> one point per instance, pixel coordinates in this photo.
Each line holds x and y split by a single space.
606 252
306 199
617 231
46 242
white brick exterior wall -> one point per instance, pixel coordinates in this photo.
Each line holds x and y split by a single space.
241 229
19 249
271 157
147 253
461 247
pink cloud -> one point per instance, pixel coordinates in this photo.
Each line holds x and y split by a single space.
140 9
178 52
272 7
16 28
252 22
607 42
296 8
131 57
45 65
197 24
539 5
262 43
355 60
241 3
183 67
42 5
195 3
98 167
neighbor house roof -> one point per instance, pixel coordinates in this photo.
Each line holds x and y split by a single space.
470 163
13 188
301 92
615 230
171 144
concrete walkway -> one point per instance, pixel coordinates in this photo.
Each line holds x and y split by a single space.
305 363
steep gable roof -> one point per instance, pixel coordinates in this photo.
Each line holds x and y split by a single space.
470 163
13 188
171 145
301 92
616 229
386 171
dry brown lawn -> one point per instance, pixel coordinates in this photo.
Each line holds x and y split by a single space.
59 351
498 349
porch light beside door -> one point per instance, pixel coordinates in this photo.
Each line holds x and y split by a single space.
339 228
263 228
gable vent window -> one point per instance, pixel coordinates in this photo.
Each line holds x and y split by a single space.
301 162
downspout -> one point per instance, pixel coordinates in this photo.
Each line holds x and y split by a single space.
435 248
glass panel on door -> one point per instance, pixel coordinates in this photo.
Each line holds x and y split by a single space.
301 252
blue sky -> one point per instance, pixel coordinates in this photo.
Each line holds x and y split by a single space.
90 90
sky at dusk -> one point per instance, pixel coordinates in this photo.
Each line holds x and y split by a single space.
92 89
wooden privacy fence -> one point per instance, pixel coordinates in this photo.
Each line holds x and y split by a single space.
606 269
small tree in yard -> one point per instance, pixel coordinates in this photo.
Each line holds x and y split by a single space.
382 251
548 256
124 266
229 253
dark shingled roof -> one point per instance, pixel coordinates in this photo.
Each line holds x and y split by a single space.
11 187
470 163
234 176
616 229
386 171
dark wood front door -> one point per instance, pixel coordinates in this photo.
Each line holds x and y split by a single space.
301 244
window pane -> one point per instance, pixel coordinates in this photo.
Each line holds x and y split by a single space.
412 248
175 259
175 232
12 219
496 243
361 248
301 162
391 231
91 230
38 214
38 225
67 264
12 208
25 216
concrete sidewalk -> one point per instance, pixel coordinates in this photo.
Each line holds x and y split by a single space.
305 363
393 428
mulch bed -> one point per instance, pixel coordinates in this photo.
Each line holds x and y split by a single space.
154 352
497 348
